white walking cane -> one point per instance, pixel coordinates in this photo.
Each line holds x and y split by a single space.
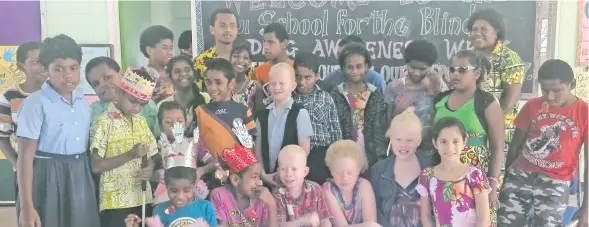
143 188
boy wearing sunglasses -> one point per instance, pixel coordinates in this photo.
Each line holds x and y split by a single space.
544 152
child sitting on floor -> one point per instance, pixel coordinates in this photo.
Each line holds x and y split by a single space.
349 197
244 201
183 209
300 202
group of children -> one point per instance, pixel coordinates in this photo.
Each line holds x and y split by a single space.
220 144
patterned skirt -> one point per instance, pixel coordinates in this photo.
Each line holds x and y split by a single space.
405 214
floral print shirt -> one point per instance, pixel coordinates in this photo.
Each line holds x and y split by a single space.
200 64
453 201
506 68
111 135
357 102
247 95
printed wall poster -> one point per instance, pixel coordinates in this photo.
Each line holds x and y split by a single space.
9 73
583 35
88 53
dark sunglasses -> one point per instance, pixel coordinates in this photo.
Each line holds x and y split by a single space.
461 69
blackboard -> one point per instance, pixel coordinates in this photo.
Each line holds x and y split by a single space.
387 26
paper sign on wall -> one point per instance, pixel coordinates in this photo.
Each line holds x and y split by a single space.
9 73
88 53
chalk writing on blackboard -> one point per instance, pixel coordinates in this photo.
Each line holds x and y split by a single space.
386 26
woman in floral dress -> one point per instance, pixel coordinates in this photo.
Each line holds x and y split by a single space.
505 79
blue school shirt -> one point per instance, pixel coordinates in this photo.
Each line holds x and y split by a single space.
187 215
338 77
58 126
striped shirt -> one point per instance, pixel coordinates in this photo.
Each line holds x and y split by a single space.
10 101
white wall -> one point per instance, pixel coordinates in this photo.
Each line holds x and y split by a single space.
87 22
174 15
566 43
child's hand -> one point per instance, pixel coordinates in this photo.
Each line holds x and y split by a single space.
276 179
146 173
132 221
494 199
201 189
139 150
154 221
269 179
263 194
313 220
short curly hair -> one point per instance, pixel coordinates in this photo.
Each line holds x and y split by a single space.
421 50
23 50
556 69
345 149
491 16
351 49
152 35
59 47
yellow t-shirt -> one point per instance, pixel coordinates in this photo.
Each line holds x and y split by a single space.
111 135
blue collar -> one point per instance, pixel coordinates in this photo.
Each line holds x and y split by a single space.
287 107
54 96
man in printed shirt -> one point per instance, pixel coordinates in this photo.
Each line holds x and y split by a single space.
224 29
27 57
323 113
505 79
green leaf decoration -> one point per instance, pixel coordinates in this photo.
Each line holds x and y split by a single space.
448 191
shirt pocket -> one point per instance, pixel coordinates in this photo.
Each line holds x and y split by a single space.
53 126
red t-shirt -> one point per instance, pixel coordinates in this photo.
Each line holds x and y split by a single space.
555 138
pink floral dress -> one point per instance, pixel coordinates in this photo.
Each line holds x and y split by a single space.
453 201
